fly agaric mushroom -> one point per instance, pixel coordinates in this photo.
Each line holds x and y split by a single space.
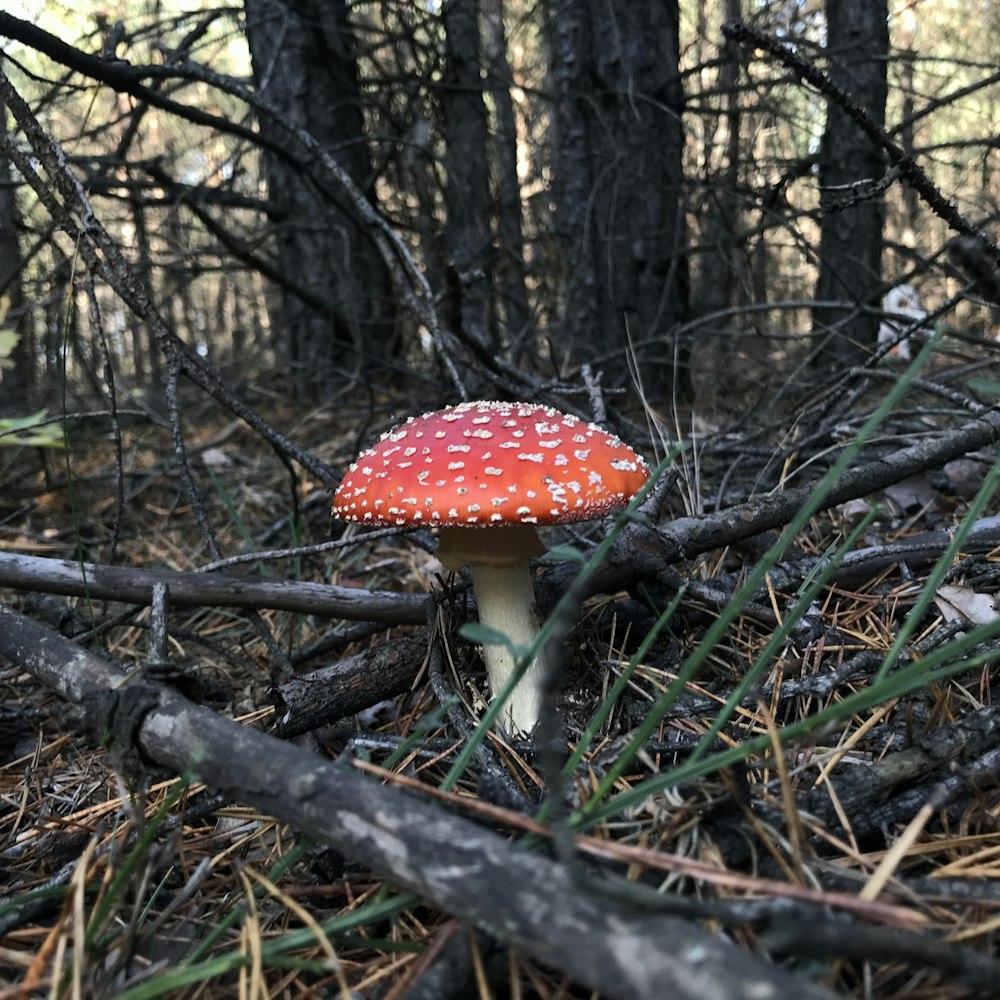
486 474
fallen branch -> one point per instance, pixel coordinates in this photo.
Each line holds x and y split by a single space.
135 586
331 693
521 897
641 552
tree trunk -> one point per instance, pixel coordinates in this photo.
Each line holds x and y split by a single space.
720 264
304 67
851 237
618 188
509 267
907 30
17 377
467 233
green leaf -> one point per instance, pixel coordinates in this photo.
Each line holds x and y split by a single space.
486 636
8 341
31 431
565 553
986 385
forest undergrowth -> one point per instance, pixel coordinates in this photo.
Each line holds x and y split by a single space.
785 736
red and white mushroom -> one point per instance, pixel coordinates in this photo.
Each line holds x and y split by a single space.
486 473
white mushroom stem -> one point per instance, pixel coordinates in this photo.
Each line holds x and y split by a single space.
500 561
506 601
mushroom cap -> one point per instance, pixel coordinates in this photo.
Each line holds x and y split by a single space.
484 464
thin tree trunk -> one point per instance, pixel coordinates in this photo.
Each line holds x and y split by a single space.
144 344
908 56
851 237
509 267
17 379
467 233
720 265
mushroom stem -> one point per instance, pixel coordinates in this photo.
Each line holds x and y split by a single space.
506 600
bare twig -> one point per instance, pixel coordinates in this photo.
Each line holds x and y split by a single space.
908 169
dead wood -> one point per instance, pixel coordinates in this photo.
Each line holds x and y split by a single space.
641 552
356 682
522 897
953 761
135 586
689 536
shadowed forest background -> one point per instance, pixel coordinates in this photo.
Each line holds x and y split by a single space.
756 240
595 184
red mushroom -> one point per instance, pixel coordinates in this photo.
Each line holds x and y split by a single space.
486 473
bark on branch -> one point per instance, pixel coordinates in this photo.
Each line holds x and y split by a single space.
522 897
135 586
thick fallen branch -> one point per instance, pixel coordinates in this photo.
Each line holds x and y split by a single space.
689 536
135 586
523 898
956 760
641 552
356 682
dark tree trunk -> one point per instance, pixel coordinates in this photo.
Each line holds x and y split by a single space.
720 264
851 237
467 231
509 266
907 61
17 377
617 187
304 66
143 342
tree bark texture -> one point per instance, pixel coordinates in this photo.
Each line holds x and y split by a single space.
304 66
322 696
720 207
618 187
135 586
467 232
509 265
850 266
576 924
17 381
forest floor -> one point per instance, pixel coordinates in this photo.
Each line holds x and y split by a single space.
772 735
